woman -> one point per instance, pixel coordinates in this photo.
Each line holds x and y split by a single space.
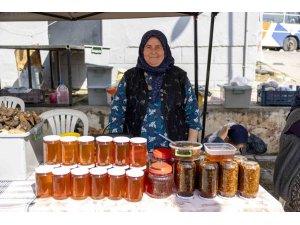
287 165
155 97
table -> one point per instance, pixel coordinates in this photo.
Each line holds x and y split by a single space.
19 196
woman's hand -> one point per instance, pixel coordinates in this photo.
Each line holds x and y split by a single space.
223 133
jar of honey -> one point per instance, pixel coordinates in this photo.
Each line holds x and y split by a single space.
43 181
104 150
52 149
80 183
99 183
86 149
208 182
250 174
121 151
69 148
138 151
134 185
160 180
116 183
228 178
61 183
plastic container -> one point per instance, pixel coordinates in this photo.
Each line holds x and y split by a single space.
208 182
121 151
138 151
186 150
185 178
52 149
216 152
236 96
228 178
134 185
163 155
69 149
86 149
160 180
43 181
104 150
62 93
98 183
250 175
80 183
116 183
61 183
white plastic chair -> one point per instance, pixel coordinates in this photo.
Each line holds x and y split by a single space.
12 102
64 120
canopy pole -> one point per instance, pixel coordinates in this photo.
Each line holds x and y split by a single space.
211 34
196 53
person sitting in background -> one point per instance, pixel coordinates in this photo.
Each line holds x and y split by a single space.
239 137
286 179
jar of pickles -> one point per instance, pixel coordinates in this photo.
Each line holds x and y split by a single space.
185 178
228 178
160 180
138 152
208 181
86 149
250 174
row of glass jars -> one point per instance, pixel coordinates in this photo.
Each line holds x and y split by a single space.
86 150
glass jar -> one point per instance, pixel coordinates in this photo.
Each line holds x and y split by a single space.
134 185
163 155
104 149
138 151
116 183
52 149
185 178
239 159
228 178
208 182
160 180
43 181
250 174
98 183
61 183
86 150
121 151
69 149
80 183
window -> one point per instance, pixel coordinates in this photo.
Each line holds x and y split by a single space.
274 17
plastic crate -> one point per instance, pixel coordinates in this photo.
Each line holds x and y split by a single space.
236 96
274 98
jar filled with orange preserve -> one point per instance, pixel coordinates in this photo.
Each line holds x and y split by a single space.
80 183
43 181
250 175
121 151
160 180
138 151
61 183
52 149
98 183
69 149
86 149
104 150
134 185
228 178
116 183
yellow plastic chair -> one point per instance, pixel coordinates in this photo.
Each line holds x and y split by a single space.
64 120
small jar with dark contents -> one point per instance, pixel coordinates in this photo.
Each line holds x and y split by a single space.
250 174
185 178
228 178
208 182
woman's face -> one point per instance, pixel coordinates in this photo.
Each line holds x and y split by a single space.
154 52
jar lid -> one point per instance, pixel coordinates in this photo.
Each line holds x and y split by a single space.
160 168
162 153
104 139
116 171
134 173
86 139
80 171
43 169
121 139
51 138
68 139
138 140
61 171
98 171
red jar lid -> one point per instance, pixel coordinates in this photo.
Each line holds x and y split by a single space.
162 153
160 168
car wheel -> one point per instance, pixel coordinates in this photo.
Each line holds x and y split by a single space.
290 44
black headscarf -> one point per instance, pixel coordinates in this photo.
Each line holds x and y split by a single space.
295 102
